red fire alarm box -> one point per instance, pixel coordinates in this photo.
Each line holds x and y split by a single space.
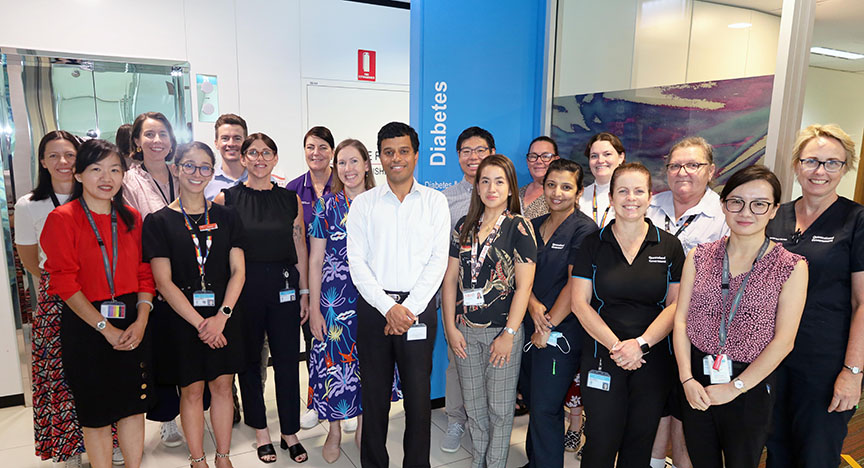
366 65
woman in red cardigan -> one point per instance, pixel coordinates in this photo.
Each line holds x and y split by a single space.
93 249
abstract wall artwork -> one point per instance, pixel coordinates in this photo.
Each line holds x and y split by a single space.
731 114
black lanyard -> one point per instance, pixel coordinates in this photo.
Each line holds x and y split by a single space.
682 228
724 286
170 186
54 199
109 270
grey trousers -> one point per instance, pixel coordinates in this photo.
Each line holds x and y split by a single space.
454 408
489 394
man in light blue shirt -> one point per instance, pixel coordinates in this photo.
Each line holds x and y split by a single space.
231 130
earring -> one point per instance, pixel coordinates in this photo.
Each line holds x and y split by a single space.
139 150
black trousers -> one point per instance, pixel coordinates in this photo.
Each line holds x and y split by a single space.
623 421
734 432
804 434
550 374
378 353
281 322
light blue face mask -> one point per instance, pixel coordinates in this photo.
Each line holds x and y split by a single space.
554 338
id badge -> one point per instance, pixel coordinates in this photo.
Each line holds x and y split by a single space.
113 310
417 332
721 369
473 297
599 380
287 295
204 298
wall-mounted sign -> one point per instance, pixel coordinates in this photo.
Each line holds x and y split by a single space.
365 65
208 97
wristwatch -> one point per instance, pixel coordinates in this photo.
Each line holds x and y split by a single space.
853 369
101 325
643 345
739 385
510 331
226 311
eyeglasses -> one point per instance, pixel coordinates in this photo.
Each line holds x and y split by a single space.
690 167
267 155
188 168
812 164
545 157
479 151
757 207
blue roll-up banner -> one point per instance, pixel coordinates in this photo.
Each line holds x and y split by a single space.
474 62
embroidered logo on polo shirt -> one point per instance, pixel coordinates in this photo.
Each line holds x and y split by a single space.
822 239
557 246
656 259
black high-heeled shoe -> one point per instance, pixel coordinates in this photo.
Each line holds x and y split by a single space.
294 451
266 451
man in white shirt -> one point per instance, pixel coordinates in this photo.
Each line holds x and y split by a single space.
397 255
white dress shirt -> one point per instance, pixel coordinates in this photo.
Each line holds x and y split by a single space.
709 224
398 246
586 204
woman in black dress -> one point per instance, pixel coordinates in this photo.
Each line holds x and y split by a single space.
276 298
196 252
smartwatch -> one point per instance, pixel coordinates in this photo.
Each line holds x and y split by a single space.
643 345
226 311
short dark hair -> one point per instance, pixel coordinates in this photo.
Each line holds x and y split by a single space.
91 152
604 136
471 132
629 167
566 165
258 136
396 130
193 145
547 140
230 119
749 174
320 132
136 133
44 187
123 138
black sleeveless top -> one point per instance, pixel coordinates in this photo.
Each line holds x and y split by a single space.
268 218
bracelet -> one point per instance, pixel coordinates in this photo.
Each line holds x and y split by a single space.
687 380
145 302
303 291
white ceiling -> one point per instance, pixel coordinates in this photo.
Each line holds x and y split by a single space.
839 25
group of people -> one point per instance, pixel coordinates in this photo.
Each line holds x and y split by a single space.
163 273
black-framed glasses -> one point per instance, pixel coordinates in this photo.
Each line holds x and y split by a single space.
690 167
188 168
545 157
757 207
812 164
266 154
480 151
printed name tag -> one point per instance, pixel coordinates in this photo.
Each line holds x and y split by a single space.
473 297
208 227
417 332
721 369
204 298
599 380
113 310
555 246
287 295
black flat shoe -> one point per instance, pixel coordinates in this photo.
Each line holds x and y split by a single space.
266 451
294 451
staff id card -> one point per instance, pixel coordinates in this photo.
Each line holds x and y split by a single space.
287 295
204 298
599 380
417 332
113 310
473 297
719 368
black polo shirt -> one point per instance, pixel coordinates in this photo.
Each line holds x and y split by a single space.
834 248
629 297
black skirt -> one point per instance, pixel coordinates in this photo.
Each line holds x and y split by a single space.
107 385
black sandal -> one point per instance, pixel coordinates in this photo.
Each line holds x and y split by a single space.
266 451
521 407
294 451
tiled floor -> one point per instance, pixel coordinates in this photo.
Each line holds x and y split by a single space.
16 442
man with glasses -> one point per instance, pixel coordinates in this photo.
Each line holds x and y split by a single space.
472 146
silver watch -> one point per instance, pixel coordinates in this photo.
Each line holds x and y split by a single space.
510 331
855 370
101 325
739 385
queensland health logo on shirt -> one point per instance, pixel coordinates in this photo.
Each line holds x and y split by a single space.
656 259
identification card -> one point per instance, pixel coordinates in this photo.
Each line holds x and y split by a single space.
208 227
287 295
417 332
721 369
113 310
599 380
204 298
473 297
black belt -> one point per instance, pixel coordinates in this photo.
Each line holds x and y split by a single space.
397 296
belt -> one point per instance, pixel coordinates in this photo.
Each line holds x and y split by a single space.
397 296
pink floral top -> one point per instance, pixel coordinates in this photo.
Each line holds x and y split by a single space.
753 325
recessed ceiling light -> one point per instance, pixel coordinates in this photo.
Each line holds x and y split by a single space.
740 25
836 53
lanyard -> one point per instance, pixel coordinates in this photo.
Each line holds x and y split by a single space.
202 259
109 269
170 187
682 228
477 262
54 199
347 201
594 205
724 286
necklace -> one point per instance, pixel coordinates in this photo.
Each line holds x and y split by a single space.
196 219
